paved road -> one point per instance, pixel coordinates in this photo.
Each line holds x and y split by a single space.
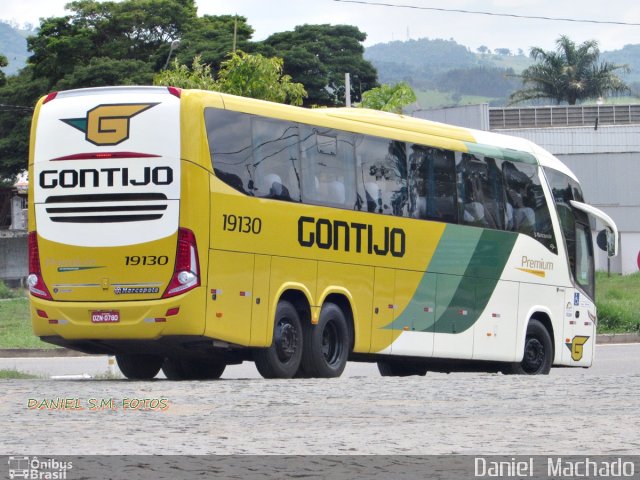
582 411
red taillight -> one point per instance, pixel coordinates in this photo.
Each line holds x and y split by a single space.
105 155
50 97
36 284
186 274
175 91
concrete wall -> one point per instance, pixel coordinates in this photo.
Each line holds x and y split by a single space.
14 260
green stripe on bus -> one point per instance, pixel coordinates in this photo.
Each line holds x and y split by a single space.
501 153
473 260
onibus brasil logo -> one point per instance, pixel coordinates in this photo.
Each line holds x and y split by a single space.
108 124
35 468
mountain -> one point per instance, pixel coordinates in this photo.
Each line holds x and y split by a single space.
13 45
445 73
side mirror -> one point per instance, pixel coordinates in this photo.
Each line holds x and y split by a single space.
606 242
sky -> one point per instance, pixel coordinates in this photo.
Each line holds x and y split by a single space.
384 24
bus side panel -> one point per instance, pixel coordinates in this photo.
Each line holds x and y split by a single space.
229 303
260 301
579 329
383 310
356 283
495 332
455 307
546 299
415 313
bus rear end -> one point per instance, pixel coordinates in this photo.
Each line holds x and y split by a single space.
111 268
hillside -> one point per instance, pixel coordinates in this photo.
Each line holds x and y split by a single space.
13 45
445 73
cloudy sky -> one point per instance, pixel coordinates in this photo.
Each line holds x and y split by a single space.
384 23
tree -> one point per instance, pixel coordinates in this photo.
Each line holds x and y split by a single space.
243 74
569 74
318 56
503 51
213 37
129 30
388 98
3 63
483 50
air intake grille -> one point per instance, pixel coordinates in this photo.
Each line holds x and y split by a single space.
106 208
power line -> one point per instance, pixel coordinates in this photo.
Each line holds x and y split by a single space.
20 108
492 14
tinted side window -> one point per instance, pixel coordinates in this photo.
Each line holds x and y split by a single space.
229 135
328 167
276 159
382 182
527 209
564 189
432 184
256 156
481 191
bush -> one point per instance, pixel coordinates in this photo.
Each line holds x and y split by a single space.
6 292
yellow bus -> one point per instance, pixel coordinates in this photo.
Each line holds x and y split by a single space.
187 230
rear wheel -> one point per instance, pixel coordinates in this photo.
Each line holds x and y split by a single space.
139 367
282 358
326 346
538 351
390 368
192 369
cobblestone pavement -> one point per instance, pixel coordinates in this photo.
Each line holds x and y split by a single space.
571 411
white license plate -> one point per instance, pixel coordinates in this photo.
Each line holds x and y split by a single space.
105 316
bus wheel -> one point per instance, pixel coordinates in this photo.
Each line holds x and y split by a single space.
538 351
192 369
139 367
282 358
398 369
326 347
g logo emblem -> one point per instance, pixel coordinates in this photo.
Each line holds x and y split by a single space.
576 346
108 124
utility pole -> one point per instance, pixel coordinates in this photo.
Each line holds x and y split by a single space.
347 89
235 32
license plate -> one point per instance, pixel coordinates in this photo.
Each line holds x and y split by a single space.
105 316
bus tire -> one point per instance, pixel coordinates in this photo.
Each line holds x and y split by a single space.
326 344
192 369
139 367
389 368
538 351
282 358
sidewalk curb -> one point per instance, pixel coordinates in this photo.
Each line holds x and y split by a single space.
605 338
601 339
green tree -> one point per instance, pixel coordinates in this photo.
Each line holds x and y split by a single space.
213 37
388 98
129 30
569 74
198 76
3 63
318 56
243 74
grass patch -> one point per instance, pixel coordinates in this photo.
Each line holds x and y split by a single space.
6 292
618 301
15 325
15 375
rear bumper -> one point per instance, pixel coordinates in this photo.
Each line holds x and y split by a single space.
139 320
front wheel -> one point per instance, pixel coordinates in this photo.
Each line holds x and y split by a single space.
538 351
282 358
326 346
139 367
